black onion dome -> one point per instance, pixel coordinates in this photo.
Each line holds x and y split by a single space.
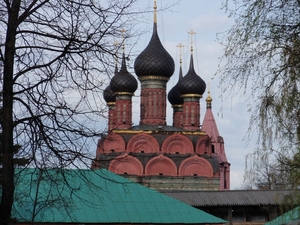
154 60
108 95
174 95
123 81
191 83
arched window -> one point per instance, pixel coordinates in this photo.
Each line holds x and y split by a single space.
203 146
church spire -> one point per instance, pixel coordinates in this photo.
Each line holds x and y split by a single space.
210 127
209 124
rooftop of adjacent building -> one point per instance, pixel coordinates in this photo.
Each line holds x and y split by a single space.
97 197
230 197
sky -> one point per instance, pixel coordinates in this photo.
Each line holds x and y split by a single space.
206 19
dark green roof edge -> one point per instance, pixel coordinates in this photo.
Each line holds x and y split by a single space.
96 196
287 218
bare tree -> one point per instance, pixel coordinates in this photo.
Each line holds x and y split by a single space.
265 171
261 59
54 56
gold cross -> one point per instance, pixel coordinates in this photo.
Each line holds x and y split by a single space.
155 7
208 88
180 46
192 33
123 35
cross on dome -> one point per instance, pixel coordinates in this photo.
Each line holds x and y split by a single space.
155 7
123 41
192 33
180 46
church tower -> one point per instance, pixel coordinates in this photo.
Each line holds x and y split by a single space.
154 67
157 155
175 98
191 88
217 144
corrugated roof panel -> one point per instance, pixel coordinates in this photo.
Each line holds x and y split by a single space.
229 198
103 197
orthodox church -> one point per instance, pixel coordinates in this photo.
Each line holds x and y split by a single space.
186 155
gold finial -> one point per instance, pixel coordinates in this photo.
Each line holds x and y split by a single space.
155 7
192 33
123 41
180 46
208 98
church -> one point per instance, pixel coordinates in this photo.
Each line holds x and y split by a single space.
185 160
186 155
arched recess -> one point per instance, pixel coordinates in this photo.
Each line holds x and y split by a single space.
203 146
143 143
100 146
161 165
177 143
126 164
114 143
195 166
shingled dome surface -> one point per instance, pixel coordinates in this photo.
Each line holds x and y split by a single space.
123 81
154 60
174 96
108 95
191 83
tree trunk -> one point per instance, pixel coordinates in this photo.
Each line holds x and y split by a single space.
7 122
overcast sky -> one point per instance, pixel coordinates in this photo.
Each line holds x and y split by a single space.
206 18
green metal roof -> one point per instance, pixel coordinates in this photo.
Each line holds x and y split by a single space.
96 196
291 217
